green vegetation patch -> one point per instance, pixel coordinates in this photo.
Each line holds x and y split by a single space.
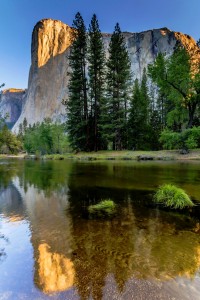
173 197
105 208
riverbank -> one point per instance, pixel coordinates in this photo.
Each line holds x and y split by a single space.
130 155
116 155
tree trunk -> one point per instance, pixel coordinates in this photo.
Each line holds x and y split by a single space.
191 111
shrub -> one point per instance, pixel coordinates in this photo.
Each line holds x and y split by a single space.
105 208
9 144
172 196
192 137
46 137
191 143
188 138
170 140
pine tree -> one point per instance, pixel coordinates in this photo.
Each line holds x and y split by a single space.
155 129
139 117
145 100
135 118
96 71
77 104
118 83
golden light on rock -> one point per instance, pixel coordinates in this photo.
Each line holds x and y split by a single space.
53 38
12 90
191 46
56 272
16 218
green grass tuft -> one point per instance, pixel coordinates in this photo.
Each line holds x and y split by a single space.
105 208
173 197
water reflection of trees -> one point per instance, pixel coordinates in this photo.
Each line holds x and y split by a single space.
3 242
47 176
44 175
6 175
131 247
141 242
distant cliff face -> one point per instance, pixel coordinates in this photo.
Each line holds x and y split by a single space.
48 73
11 103
48 78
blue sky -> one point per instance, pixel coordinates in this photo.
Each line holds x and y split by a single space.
18 17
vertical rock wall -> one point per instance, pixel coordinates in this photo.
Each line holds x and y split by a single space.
48 78
11 103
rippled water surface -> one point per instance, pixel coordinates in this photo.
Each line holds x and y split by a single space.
49 249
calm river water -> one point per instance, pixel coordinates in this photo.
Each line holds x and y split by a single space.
50 250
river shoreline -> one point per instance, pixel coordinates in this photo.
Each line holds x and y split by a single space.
163 155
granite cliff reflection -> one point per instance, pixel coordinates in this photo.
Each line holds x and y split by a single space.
32 196
51 238
55 271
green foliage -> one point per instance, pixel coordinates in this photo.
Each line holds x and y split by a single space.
139 136
154 130
96 72
105 208
170 140
97 112
173 197
103 113
178 80
188 139
46 138
77 104
118 90
135 119
9 143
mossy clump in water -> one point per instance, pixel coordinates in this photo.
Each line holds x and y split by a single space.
104 209
173 197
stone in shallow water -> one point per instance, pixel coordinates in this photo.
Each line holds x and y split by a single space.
104 209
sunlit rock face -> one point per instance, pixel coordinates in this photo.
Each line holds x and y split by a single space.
48 78
11 103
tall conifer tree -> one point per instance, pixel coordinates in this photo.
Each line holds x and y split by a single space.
145 100
135 118
139 118
118 83
96 70
77 105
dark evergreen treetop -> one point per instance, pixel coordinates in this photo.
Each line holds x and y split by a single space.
118 84
96 72
77 105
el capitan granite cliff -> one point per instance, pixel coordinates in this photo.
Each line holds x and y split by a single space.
48 77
